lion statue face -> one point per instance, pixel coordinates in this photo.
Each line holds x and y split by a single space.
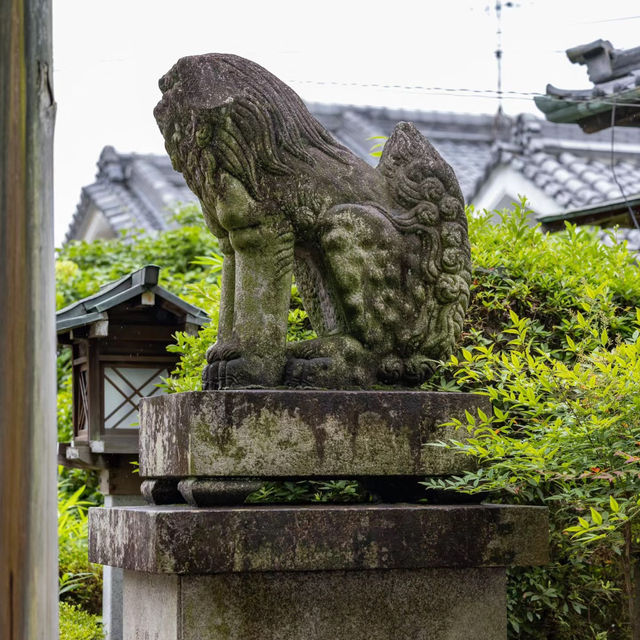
221 111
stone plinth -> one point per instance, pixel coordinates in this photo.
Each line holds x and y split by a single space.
280 433
191 540
362 572
309 572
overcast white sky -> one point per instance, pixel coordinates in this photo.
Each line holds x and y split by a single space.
108 57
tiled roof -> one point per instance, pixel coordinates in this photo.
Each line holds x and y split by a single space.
574 172
464 140
133 192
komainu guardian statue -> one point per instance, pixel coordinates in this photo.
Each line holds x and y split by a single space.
380 255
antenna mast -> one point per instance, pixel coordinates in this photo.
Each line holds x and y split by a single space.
499 51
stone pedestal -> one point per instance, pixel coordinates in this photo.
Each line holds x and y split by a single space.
308 572
359 572
285 434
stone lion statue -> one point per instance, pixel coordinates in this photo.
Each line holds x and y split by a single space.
380 255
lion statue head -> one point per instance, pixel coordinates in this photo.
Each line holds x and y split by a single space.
223 112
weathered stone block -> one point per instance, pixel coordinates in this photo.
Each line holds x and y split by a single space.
187 540
362 572
422 604
281 433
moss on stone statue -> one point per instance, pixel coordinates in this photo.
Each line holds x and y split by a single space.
381 256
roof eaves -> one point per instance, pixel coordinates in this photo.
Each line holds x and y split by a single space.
566 110
194 314
146 277
601 207
112 294
589 146
65 324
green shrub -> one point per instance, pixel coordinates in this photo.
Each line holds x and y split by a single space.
553 341
76 624
80 582
308 491
551 338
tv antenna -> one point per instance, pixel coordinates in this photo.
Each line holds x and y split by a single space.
499 50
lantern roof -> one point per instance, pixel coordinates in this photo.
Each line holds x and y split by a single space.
145 280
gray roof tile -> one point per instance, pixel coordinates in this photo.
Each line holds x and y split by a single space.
541 179
613 193
578 168
602 185
590 176
562 175
552 188
574 185
567 158
539 157
550 164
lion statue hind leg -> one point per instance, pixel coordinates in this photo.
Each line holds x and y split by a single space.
362 253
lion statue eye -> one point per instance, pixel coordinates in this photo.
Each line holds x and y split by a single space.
203 135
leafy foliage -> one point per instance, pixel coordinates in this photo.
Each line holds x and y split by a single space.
80 582
553 341
305 491
77 624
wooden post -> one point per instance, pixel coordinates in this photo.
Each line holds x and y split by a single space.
28 549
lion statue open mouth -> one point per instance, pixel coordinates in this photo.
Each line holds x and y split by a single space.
381 256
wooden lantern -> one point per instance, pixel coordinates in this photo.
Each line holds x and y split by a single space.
118 338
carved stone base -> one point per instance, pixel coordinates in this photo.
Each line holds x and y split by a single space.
198 492
161 491
210 492
298 434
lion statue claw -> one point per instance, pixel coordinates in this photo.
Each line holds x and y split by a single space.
381 256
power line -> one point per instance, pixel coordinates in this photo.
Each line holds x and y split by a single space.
407 87
464 92
621 19
613 168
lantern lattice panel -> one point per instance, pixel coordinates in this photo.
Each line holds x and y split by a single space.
82 405
124 386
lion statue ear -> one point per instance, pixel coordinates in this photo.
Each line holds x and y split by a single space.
412 167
